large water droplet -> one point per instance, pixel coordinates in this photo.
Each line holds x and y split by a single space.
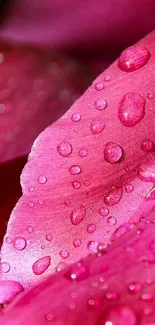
77 215
121 315
113 196
112 152
97 126
147 145
100 104
131 109
64 149
77 272
8 290
133 58
146 170
42 179
41 265
19 243
75 170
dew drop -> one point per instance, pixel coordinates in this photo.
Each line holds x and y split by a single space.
49 237
77 272
41 202
120 231
135 287
86 183
75 170
41 265
107 78
83 152
97 126
146 170
147 296
31 204
119 316
31 189
133 58
77 243
150 95
42 179
103 212
91 228
8 240
76 185
77 215
100 104
129 188
5 267
99 86
64 254
49 317
92 246
19 243
94 303
64 149
132 109
61 266
111 221
112 152
30 229
147 145
113 196
76 117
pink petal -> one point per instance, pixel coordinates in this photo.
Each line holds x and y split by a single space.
73 199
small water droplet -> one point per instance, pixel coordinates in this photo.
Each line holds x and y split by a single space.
31 204
112 152
49 317
5 267
91 228
41 202
103 212
132 109
100 104
112 296
64 254
42 179
133 58
8 240
30 229
19 243
77 215
31 189
75 170
119 316
67 203
120 231
147 145
107 78
128 188
42 246
76 117
146 170
92 246
64 149
99 86
97 126
49 237
150 95
86 183
111 220
9 290
76 185
135 287
77 272
94 303
77 243
83 152
113 196
41 265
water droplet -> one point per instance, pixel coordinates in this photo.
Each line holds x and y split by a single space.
49 317
107 78
41 202
113 196
111 220
41 265
112 152
77 243
75 170
64 149
42 246
146 170
86 183
103 212
77 215
132 109
97 126
30 229
100 104
64 254
99 86
147 296
94 303
8 240
76 117
31 189
150 95
92 246
61 266
67 203
133 58
91 228
129 188
5 267
77 272
119 316
42 179
31 204
135 287
76 185
49 237
83 152
19 243
120 231
147 145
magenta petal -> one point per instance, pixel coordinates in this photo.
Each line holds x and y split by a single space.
73 199
115 286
